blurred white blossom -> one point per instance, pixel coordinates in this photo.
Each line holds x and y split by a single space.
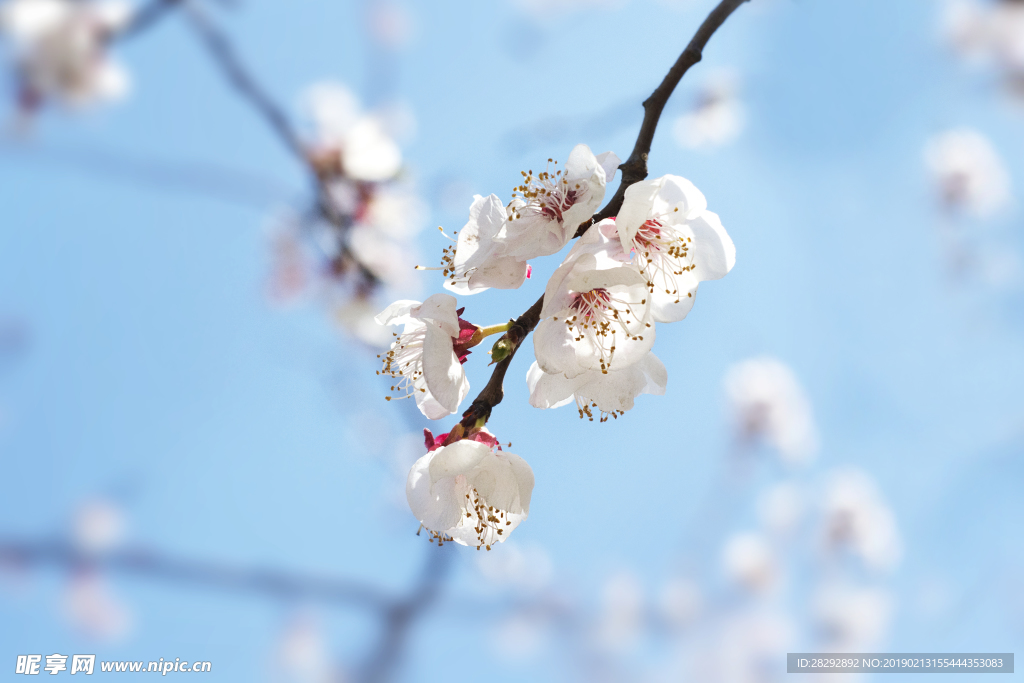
857 519
749 561
622 612
967 172
301 655
768 403
60 49
851 618
345 140
92 609
717 118
680 602
98 526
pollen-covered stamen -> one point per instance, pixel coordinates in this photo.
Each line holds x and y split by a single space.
547 194
663 254
584 404
447 257
603 318
404 363
488 522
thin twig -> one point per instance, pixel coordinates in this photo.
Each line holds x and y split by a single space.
270 583
224 54
633 170
635 167
144 18
401 617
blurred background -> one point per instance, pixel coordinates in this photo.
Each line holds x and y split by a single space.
197 457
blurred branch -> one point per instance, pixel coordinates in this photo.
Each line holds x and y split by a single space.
633 170
244 84
211 180
225 55
635 167
140 562
146 17
402 615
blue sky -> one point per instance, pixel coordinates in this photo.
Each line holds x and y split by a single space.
158 375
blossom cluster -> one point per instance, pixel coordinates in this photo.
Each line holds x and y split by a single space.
354 243
597 323
60 50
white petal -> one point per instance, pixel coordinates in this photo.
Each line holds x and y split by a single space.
396 313
610 163
679 196
368 153
445 378
440 309
549 390
436 506
714 251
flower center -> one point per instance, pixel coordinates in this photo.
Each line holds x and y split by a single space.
547 194
601 318
663 254
488 521
404 362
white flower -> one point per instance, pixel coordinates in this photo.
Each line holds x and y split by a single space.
858 519
622 612
423 357
596 313
98 526
680 602
749 561
717 119
61 48
612 392
548 208
478 261
675 241
850 618
347 141
768 403
967 172
988 32
92 609
469 493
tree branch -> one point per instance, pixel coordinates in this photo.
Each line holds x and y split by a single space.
267 582
492 394
633 170
145 17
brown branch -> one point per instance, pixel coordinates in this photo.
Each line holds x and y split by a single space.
492 394
634 169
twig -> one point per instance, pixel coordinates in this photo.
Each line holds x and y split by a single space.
633 170
224 54
271 583
209 180
635 167
246 86
401 617
493 393
145 18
